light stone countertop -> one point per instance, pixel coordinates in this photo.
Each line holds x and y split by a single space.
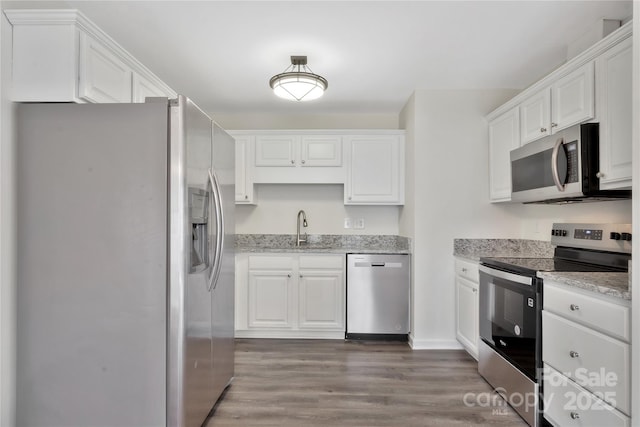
612 284
322 243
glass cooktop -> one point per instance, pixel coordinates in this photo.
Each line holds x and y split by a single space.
529 266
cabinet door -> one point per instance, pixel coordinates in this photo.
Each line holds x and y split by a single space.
244 182
320 150
274 150
103 77
143 88
375 170
504 136
572 98
270 299
535 116
321 300
467 330
614 77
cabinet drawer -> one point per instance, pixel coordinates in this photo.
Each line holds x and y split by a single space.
271 262
595 361
322 261
567 404
467 269
604 316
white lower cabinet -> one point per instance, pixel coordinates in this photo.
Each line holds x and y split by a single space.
586 355
290 296
467 325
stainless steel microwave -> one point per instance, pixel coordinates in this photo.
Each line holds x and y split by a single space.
561 168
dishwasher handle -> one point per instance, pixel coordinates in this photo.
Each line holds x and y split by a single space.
378 264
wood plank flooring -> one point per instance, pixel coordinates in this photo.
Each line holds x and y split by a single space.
349 383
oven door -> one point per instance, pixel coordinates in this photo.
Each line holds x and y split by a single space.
509 317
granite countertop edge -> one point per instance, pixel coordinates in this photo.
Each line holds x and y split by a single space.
323 244
606 283
612 284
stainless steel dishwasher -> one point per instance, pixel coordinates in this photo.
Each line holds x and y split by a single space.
378 296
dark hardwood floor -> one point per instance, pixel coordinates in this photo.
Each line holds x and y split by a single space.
347 383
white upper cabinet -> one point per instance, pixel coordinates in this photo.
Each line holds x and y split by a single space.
594 86
504 136
568 101
296 158
61 56
613 109
244 167
572 98
375 170
103 77
321 150
276 150
536 116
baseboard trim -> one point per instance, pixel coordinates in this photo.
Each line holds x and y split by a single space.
434 344
322 335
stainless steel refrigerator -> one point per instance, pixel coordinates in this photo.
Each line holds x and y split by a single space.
125 264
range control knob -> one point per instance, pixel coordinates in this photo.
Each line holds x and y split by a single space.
626 236
615 236
564 233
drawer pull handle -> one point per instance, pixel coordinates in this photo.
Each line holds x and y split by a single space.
464 270
574 354
574 307
575 415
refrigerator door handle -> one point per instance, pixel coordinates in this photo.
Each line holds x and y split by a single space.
217 258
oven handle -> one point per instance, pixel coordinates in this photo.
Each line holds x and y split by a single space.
524 280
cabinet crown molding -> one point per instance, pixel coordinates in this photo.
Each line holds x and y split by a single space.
588 55
73 17
346 132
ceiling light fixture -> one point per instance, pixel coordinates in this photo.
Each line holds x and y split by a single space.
298 82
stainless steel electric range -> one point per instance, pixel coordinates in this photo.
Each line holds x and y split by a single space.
510 348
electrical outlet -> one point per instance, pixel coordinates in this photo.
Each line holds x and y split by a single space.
347 223
359 224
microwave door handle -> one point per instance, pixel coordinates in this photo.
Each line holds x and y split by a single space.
554 164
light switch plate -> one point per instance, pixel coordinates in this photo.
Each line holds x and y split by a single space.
347 223
359 224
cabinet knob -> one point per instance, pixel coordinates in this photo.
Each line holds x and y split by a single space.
246 197
543 130
574 307
301 276
288 275
553 125
574 354
464 270
575 415
302 162
349 197
475 290
293 162
600 175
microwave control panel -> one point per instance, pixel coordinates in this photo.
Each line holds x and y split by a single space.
571 148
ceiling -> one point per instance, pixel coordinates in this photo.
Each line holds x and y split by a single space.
373 53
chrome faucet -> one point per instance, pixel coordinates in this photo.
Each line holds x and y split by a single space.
304 224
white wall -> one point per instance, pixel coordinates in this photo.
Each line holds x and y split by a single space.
306 121
450 200
278 206
7 234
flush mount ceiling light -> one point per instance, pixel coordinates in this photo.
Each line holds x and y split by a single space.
298 82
